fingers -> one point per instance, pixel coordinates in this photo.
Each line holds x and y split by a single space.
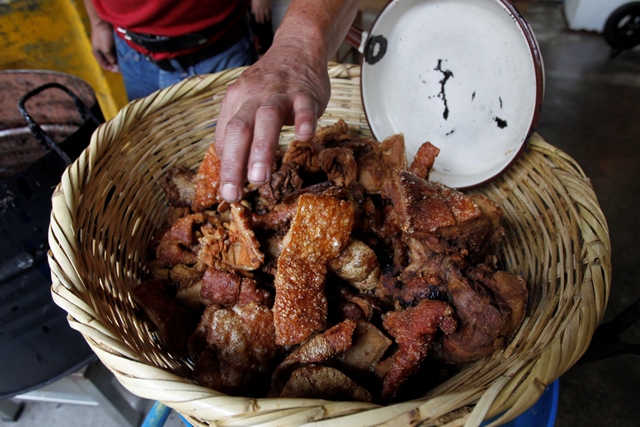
258 137
107 63
237 137
246 144
269 120
306 114
254 109
111 61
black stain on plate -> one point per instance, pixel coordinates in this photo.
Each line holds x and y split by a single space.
447 74
473 96
450 132
500 99
500 122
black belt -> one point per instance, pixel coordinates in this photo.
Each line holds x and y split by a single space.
233 36
164 44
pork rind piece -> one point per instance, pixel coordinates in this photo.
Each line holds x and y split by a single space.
228 289
207 181
321 348
423 160
319 231
244 249
240 349
368 345
324 382
358 265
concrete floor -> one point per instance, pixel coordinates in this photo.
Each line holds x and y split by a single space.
591 111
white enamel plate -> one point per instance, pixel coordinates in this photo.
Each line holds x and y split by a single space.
466 75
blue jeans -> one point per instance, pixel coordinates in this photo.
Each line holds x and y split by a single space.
143 77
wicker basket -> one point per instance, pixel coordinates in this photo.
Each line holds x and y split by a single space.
109 204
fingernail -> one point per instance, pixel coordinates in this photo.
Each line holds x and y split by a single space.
258 172
229 192
305 129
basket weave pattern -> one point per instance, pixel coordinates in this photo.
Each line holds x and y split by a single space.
109 204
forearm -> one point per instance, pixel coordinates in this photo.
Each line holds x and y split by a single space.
317 26
102 43
94 18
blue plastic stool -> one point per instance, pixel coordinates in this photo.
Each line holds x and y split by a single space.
158 415
541 414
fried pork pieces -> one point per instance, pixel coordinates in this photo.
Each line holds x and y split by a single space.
339 279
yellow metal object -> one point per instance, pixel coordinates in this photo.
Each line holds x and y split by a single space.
54 35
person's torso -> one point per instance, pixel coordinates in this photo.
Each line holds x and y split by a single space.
170 18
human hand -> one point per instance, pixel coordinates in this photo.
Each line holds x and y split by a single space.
288 85
261 10
103 46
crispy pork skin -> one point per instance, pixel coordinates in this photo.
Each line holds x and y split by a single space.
324 382
423 160
319 231
207 181
337 279
318 349
240 350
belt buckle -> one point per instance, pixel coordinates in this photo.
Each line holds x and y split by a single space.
125 33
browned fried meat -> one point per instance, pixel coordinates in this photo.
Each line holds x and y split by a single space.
426 208
240 350
284 182
377 164
334 280
228 289
423 161
318 349
207 181
394 153
243 252
174 322
174 246
358 265
490 306
413 330
189 282
319 231
324 382
339 165
277 220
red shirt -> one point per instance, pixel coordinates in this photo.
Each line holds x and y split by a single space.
169 18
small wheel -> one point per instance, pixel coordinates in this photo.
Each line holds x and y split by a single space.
622 28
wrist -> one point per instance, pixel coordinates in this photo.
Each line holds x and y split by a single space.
307 40
100 24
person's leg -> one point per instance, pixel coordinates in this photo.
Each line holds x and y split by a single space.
141 76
